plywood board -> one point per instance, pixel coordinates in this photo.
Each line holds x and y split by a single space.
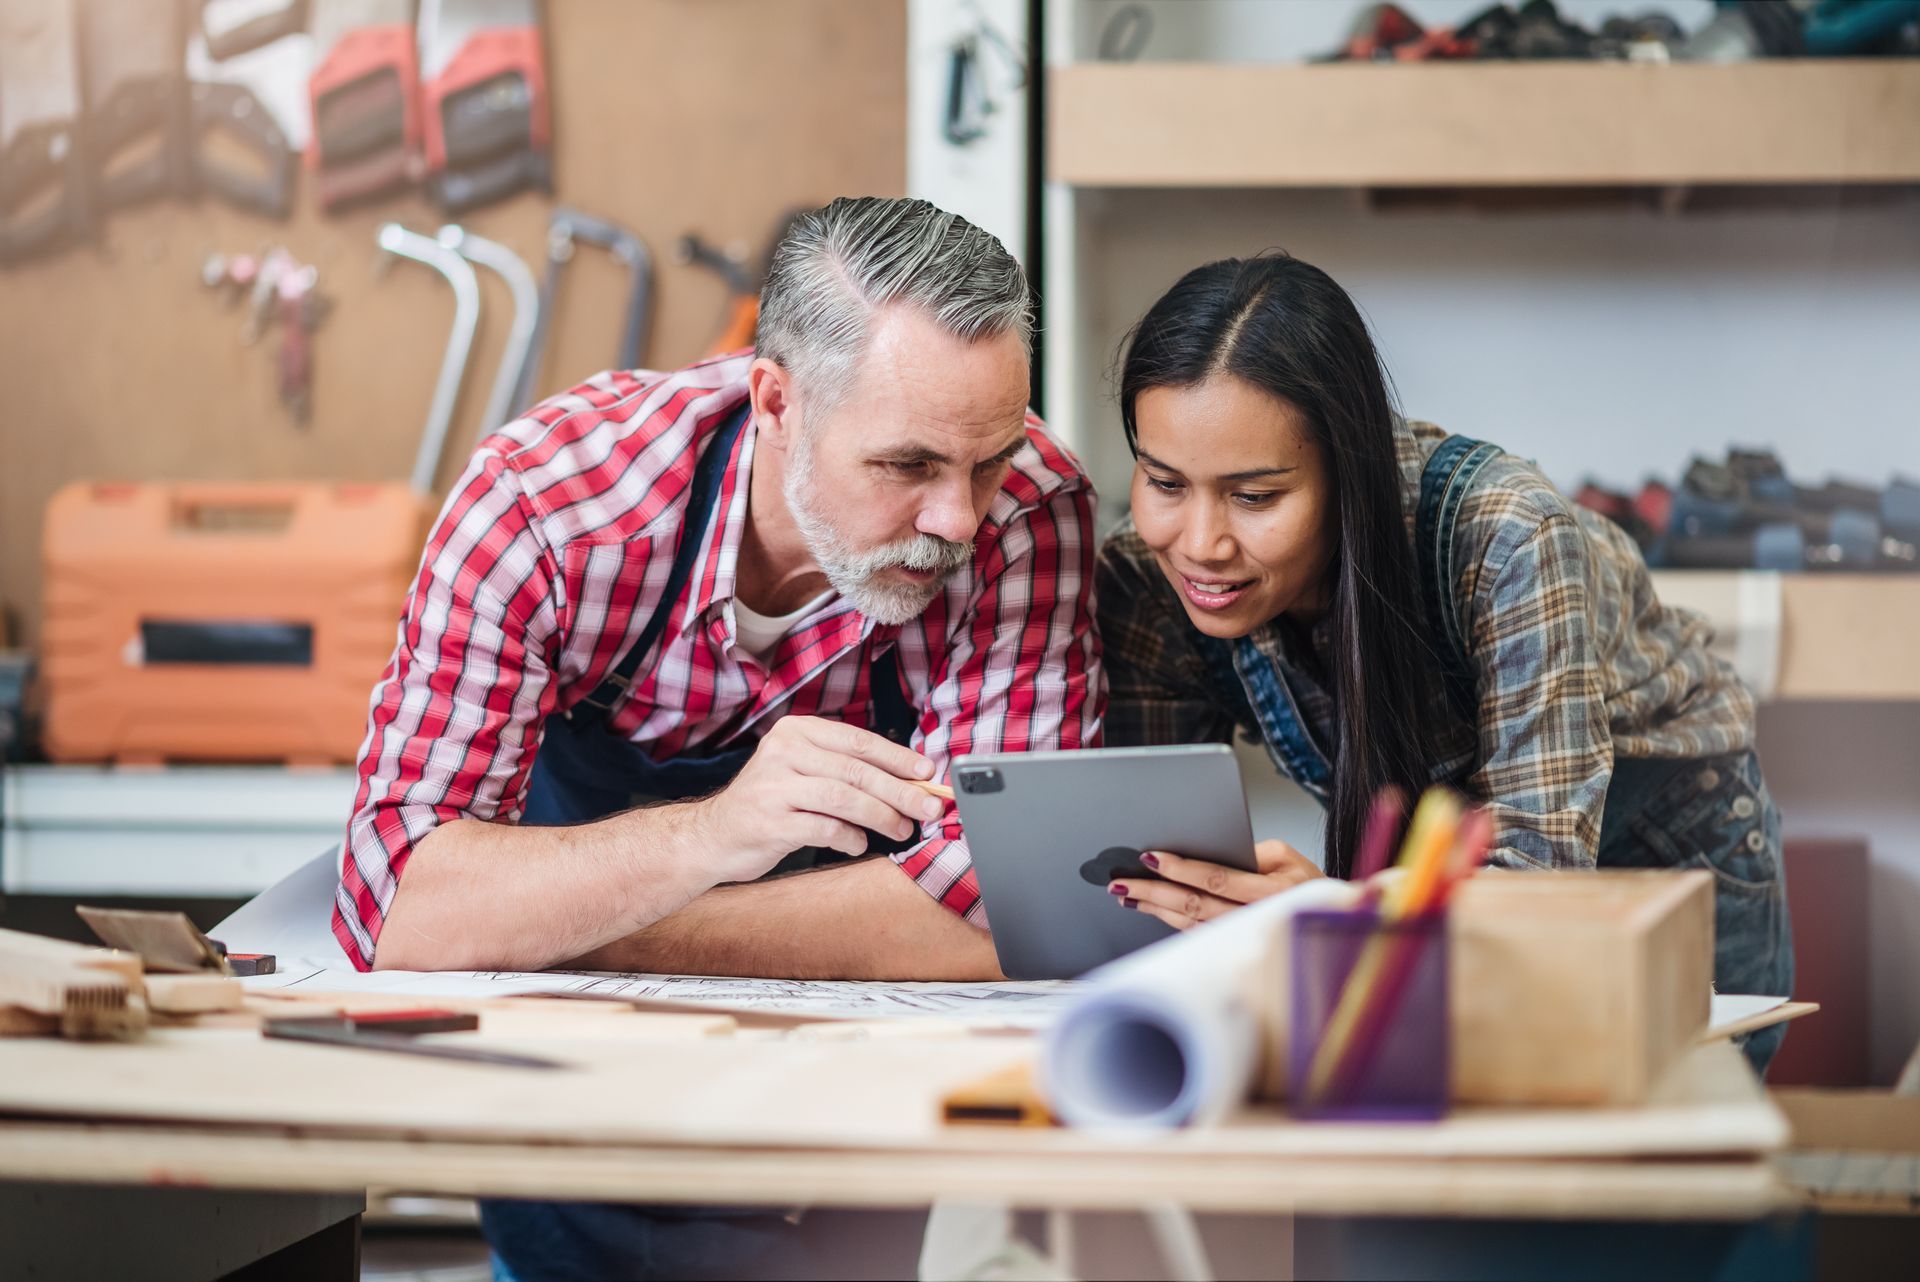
1714 1189
1481 124
668 115
734 1090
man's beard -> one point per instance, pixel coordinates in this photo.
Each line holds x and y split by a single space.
854 574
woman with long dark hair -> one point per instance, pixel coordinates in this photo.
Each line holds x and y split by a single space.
1384 605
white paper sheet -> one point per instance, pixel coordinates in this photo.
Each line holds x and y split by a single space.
1014 1004
292 919
1728 1008
1171 1035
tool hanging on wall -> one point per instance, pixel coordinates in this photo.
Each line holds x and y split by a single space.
507 265
568 228
234 27
365 92
279 291
401 243
248 71
970 101
176 612
742 316
45 199
485 112
133 64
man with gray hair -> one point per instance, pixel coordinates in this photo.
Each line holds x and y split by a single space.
673 632
671 629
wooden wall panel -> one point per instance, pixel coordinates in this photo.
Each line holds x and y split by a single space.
669 116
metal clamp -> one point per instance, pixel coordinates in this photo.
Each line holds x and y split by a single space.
568 227
508 265
400 242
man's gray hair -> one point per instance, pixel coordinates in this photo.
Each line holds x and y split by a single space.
839 264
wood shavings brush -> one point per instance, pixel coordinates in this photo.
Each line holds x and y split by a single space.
85 989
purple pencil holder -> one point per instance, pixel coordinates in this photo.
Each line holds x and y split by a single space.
1396 1061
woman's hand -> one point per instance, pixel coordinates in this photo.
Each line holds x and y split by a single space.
1195 891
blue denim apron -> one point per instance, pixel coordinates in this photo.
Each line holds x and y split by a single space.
585 771
1712 813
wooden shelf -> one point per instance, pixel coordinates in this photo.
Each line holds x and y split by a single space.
1833 636
1483 124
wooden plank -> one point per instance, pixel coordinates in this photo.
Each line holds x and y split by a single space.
1870 1120
869 1095
192 994
1090 1178
1454 125
16 1021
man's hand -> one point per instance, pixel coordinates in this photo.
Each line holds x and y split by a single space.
1194 890
813 782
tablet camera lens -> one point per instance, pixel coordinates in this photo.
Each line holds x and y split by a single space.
981 779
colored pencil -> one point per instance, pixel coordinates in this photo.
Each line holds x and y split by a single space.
1376 842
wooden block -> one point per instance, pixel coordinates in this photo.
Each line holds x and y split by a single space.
1008 1097
192 994
53 977
124 964
1577 987
16 1021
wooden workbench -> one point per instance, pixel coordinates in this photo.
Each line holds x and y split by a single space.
673 1113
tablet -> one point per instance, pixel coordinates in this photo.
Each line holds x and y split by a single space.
1049 830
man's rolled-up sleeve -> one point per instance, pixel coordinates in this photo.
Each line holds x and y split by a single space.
455 717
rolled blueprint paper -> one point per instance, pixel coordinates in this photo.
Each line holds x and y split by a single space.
1176 1033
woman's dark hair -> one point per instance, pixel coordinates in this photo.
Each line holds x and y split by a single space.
1285 327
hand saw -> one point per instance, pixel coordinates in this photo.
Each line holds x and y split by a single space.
248 63
133 55
365 92
485 111
45 200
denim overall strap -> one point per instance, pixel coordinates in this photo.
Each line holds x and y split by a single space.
583 771
1247 681
701 501
1444 483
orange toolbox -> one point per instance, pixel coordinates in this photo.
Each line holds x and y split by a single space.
239 621
210 622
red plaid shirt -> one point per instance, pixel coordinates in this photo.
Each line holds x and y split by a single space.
552 552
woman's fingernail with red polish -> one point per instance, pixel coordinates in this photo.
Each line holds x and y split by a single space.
1129 903
1116 888
1150 859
